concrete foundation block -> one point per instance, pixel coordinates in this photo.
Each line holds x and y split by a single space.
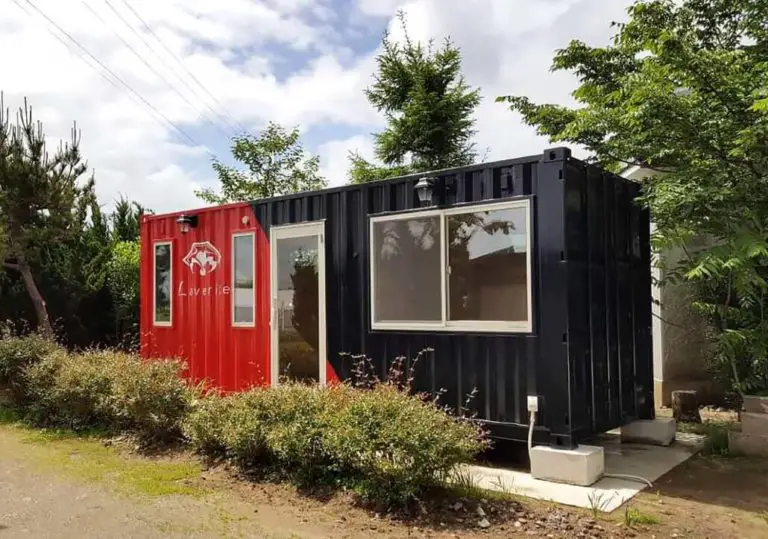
751 445
659 431
752 423
755 405
581 466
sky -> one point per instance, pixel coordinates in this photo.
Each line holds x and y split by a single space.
191 73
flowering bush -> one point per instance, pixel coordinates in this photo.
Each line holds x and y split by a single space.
374 437
16 355
384 443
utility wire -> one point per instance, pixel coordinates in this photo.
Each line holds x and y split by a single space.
156 114
156 72
226 116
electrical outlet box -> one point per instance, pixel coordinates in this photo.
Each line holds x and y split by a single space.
533 403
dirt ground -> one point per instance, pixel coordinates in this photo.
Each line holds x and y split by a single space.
59 486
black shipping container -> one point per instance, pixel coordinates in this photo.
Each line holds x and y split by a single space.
588 355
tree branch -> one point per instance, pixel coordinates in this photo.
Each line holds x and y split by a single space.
12 266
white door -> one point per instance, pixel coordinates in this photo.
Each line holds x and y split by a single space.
298 302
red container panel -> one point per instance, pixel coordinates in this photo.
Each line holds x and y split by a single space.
202 332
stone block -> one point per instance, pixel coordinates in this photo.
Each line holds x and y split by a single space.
582 466
751 445
755 405
659 431
752 423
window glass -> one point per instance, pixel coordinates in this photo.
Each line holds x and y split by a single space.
487 265
163 283
243 288
406 258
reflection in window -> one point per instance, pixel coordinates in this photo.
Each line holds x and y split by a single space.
487 265
162 257
406 258
243 282
298 308
464 268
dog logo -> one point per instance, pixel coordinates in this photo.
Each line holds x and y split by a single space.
202 258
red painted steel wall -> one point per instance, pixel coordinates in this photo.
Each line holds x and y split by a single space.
232 358
202 334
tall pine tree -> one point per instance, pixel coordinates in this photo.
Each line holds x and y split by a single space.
40 195
428 106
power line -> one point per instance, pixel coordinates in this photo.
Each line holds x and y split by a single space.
181 64
125 86
151 68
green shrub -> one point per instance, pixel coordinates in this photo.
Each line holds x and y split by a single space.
394 444
204 425
716 433
384 443
110 391
40 381
378 439
231 426
243 427
150 398
16 355
298 421
75 390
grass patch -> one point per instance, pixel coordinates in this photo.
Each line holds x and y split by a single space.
598 501
764 516
85 457
633 516
716 433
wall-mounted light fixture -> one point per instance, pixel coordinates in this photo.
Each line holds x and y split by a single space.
424 190
186 223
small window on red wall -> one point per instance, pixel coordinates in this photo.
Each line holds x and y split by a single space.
162 276
243 279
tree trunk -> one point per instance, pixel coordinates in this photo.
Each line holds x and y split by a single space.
41 310
685 407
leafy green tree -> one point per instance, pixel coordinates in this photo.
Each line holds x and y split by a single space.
276 164
683 91
428 106
362 171
123 282
40 195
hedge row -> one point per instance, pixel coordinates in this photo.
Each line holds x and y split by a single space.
382 442
100 390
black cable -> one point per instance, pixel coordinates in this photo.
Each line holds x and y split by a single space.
228 136
105 68
226 116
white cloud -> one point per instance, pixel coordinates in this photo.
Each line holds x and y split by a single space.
334 162
229 46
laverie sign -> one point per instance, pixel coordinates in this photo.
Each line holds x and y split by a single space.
202 259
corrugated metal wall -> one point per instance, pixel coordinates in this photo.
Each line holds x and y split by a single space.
608 254
202 332
589 355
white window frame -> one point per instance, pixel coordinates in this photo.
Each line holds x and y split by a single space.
300 230
235 323
445 324
155 321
